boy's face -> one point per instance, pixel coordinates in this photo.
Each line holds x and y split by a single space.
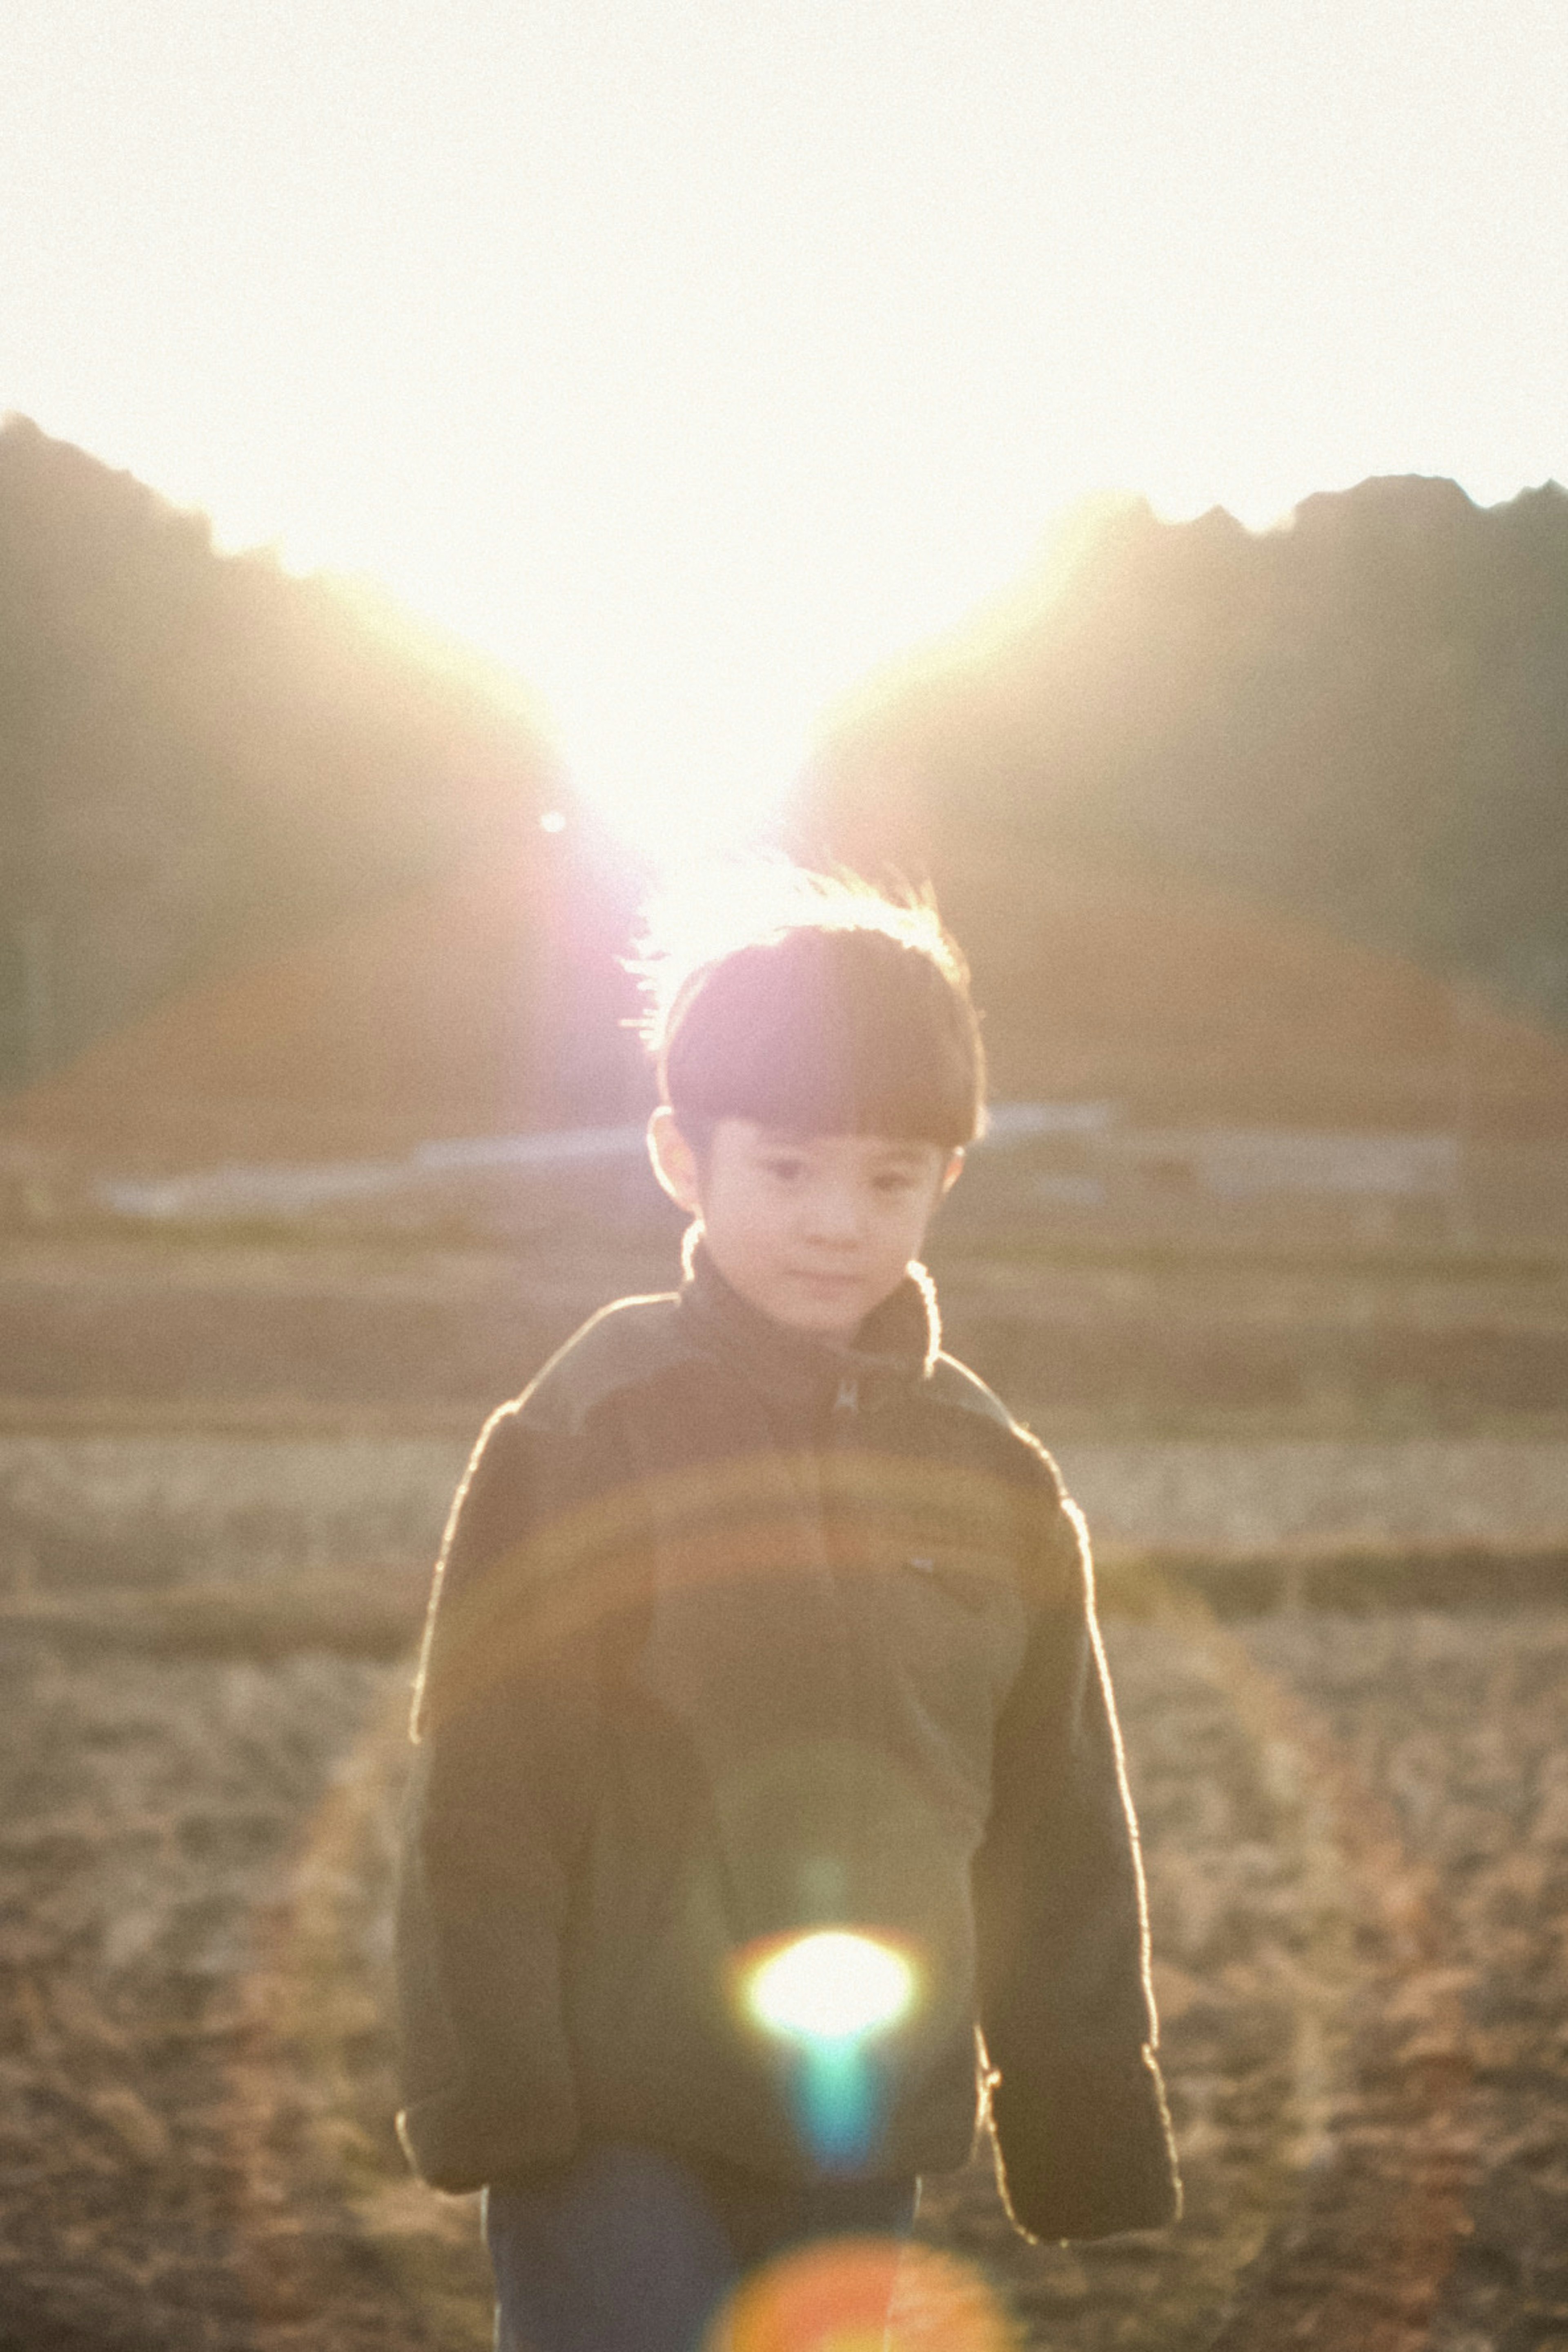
814 1229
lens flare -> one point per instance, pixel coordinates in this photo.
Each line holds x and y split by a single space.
827 1998
832 1987
863 2295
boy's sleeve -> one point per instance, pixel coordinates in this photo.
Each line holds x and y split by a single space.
504 1718
1083 2138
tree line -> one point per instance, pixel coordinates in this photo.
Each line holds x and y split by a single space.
1361 716
203 757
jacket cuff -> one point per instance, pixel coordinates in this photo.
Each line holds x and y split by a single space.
1083 2150
457 2140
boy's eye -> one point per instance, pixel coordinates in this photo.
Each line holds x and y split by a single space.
785 1171
895 1179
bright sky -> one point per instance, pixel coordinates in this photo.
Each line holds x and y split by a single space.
696 355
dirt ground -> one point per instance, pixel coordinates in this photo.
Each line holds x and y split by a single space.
231 1334
1357 1839
1356 1831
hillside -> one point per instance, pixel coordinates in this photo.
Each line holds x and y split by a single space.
1266 829
204 758
1361 718
490 1002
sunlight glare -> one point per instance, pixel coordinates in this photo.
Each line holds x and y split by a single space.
827 1998
674 786
833 1986
698 379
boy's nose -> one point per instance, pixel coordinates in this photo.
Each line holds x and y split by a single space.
835 1215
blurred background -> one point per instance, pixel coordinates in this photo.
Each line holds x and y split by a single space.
471 473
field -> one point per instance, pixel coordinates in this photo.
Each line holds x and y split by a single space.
1357 1817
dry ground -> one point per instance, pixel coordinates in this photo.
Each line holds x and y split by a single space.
1357 1832
228 1333
1357 1838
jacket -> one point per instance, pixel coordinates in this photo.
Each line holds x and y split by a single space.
738 1636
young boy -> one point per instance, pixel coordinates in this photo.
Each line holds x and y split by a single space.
765 1748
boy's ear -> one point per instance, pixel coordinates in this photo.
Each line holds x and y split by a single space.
674 1162
952 1173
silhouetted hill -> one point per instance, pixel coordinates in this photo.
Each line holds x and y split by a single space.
1361 718
435 1016
203 759
1215 813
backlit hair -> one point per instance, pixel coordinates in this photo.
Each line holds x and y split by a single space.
837 1011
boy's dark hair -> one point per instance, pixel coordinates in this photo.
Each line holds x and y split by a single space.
849 1013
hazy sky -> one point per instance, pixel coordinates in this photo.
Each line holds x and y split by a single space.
695 354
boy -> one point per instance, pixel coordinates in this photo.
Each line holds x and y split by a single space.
766 1746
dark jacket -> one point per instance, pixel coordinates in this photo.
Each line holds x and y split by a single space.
737 1635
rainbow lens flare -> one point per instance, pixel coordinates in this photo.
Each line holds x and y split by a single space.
828 1997
863 2295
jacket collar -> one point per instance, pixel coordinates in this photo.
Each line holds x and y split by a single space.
898 1340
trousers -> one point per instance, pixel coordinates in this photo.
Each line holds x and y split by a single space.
635 2249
